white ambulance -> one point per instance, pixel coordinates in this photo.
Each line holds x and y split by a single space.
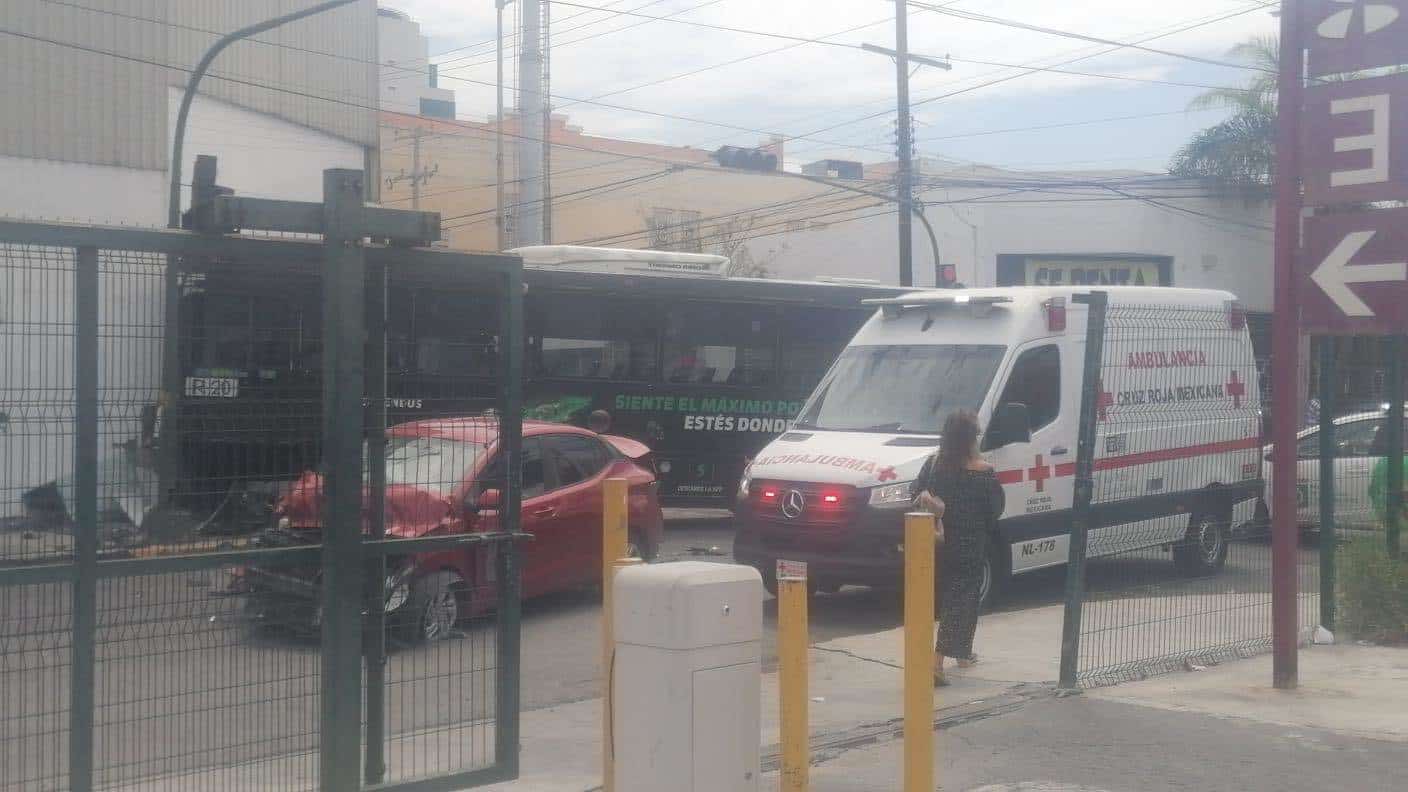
1178 449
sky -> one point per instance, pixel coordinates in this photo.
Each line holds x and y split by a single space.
816 94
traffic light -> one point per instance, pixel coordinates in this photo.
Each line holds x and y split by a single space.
745 158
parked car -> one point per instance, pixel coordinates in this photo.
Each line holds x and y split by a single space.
1360 443
444 477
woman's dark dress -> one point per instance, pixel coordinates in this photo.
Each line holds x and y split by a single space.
973 501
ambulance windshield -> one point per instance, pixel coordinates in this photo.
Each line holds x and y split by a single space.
902 389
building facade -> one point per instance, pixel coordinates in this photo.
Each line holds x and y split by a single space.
91 96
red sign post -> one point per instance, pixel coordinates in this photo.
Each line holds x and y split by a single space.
1348 143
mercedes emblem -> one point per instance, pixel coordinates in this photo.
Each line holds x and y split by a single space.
794 504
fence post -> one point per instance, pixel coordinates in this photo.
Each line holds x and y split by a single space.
83 663
1393 499
1327 482
375 637
344 306
507 554
1096 302
792 681
615 491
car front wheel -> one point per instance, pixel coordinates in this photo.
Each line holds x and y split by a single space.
433 611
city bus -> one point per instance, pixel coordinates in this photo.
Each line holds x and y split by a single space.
702 367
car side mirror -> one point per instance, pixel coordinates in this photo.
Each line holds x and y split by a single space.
489 500
1011 423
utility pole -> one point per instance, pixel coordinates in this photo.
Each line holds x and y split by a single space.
418 175
904 174
547 123
499 132
530 105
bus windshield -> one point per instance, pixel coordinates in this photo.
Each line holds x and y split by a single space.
903 389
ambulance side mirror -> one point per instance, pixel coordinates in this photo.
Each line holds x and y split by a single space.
1010 424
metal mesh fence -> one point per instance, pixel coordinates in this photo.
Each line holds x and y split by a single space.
163 549
1178 549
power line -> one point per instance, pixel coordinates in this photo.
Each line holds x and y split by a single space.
1012 23
1028 70
796 41
599 34
985 132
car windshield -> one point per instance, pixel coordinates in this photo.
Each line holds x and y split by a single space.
906 389
431 463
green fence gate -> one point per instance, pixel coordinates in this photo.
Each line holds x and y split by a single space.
258 585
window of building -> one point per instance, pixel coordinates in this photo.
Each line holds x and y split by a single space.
675 229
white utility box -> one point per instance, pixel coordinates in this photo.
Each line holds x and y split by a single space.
687 677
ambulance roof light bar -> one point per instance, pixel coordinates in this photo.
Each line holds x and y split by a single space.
894 307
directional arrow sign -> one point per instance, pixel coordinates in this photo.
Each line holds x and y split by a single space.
1357 268
1335 273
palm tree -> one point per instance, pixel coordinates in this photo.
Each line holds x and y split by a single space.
1239 151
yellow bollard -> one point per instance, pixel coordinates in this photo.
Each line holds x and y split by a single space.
615 516
919 652
792 644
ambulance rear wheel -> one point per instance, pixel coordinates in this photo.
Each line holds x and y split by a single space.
1203 551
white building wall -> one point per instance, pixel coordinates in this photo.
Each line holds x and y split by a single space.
258 155
1216 248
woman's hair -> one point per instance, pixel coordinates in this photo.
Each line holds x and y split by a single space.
960 441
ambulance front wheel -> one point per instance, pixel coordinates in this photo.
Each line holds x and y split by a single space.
997 573
1203 550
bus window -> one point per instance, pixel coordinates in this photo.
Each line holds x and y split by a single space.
720 344
243 333
454 334
811 340
586 337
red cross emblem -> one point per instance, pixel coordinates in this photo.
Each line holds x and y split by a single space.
1104 402
887 474
1236 389
1039 474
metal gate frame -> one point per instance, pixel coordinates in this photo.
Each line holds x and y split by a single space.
346 556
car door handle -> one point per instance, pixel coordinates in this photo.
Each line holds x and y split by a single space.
1060 451
548 512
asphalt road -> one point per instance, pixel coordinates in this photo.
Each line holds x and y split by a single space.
186 681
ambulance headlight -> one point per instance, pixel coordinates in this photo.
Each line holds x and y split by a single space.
891 494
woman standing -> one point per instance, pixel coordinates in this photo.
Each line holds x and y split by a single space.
962 489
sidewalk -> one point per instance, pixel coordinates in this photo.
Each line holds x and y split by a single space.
1346 727
1002 726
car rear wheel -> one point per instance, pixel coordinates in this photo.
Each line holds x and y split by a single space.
1203 550
433 611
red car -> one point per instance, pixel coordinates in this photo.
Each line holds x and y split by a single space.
442 477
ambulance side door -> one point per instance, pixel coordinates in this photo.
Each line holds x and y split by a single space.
1038 475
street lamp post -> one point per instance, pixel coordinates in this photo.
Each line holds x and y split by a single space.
169 449
499 6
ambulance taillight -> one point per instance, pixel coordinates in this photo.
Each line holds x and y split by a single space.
1236 315
1055 314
